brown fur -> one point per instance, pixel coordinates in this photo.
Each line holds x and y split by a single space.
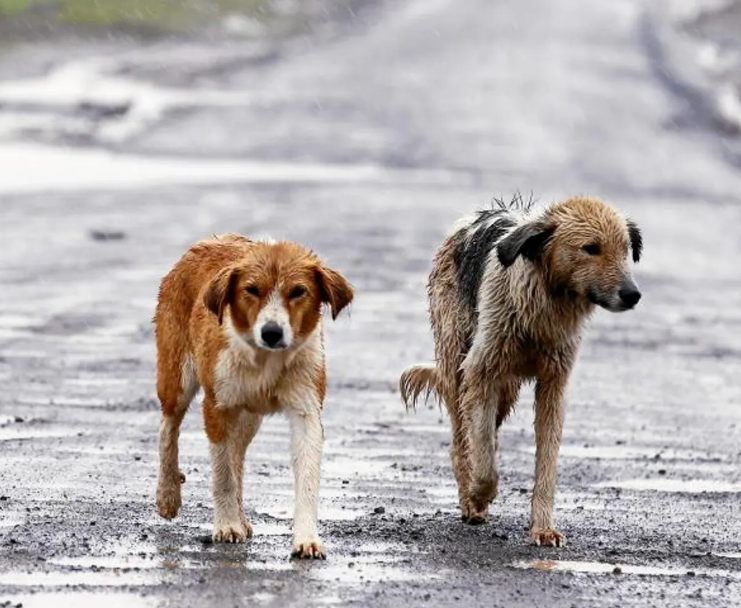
205 322
539 285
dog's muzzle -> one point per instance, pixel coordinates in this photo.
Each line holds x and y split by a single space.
626 297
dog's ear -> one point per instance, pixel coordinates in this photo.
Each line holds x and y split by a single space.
528 241
636 240
220 291
334 289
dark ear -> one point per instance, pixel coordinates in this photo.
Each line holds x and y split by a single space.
220 291
636 240
334 289
528 241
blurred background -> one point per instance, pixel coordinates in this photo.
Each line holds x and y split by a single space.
363 128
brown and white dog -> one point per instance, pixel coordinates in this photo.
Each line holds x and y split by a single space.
510 290
242 320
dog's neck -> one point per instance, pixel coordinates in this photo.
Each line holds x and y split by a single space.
547 314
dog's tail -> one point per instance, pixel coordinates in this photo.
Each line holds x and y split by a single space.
415 380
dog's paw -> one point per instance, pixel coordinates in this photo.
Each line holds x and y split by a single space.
475 519
308 549
547 537
168 500
234 532
472 514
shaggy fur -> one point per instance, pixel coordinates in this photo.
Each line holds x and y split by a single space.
509 293
242 320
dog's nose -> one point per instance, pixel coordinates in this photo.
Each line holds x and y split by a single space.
272 334
629 295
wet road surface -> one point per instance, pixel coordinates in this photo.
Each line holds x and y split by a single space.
364 144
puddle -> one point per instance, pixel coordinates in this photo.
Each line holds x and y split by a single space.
121 562
439 494
92 82
326 513
624 452
62 401
15 321
72 579
363 570
606 568
6 419
680 486
346 466
12 519
103 381
12 434
259 529
40 168
81 600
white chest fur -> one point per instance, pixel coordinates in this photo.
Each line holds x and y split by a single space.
252 377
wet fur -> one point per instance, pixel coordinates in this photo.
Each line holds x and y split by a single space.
207 325
509 293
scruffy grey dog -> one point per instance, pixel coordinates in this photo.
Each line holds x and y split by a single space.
509 293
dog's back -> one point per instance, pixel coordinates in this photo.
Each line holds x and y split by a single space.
453 289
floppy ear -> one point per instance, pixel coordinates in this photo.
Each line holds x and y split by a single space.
334 289
528 241
220 291
636 240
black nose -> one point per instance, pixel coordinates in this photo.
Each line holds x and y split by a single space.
272 334
630 296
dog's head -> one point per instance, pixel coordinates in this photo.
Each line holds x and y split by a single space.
584 248
275 294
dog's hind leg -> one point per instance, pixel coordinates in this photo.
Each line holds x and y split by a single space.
485 407
459 457
177 384
549 417
478 416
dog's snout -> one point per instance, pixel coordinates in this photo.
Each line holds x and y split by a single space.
629 295
272 334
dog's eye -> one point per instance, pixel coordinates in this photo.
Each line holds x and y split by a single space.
592 249
297 292
253 290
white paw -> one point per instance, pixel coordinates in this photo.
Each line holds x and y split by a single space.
232 532
308 548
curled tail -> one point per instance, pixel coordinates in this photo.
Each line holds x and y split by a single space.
415 380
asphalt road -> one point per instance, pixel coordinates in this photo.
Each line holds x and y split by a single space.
364 140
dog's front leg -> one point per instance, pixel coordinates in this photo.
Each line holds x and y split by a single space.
307 437
227 444
549 417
